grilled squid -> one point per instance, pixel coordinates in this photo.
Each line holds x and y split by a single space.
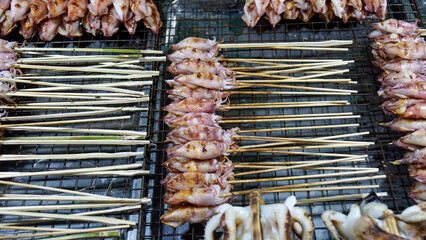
202 150
178 215
187 180
182 92
192 118
185 134
406 108
206 166
206 80
192 65
192 105
206 196
407 125
190 52
198 43
396 26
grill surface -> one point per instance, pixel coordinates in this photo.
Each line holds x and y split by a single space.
221 19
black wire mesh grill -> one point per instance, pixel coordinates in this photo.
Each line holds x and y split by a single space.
124 187
222 19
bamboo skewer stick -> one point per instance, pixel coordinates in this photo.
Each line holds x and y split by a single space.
266 60
80 69
280 139
343 143
264 66
80 130
94 76
67 121
104 50
124 109
60 115
64 206
73 171
67 231
75 142
311 80
324 175
288 119
286 44
24 197
299 128
294 187
77 156
322 162
339 198
85 96
244 74
290 93
298 87
310 153
104 234
289 116
90 103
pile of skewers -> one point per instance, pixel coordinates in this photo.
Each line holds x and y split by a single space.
50 17
275 10
120 90
372 219
201 175
401 53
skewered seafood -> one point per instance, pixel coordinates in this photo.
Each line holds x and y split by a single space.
272 16
7 47
416 158
7 60
153 20
7 25
19 9
77 9
70 29
189 52
400 65
190 105
122 9
206 166
38 11
4 5
109 23
250 16
206 80
185 134
403 90
49 28
365 222
187 180
139 9
197 43
92 23
206 196
395 78
178 215
396 26
406 108
277 221
202 150
27 29
418 174
192 65
407 125
56 8
405 50
190 119
418 192
182 92
99 7
412 141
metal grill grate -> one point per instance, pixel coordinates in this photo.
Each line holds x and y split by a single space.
222 19
125 187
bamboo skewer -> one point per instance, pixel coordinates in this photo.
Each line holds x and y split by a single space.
91 69
244 74
64 206
68 231
74 142
286 44
289 116
103 234
243 85
80 130
294 187
104 50
67 121
90 103
339 198
324 175
60 115
310 80
24 197
266 60
78 156
322 162
73 171
87 96
94 76
124 109
266 65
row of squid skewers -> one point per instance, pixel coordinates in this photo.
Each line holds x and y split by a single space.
275 10
50 17
401 53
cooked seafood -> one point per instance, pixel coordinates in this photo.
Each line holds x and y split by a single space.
250 16
407 125
7 47
206 196
399 64
412 141
365 223
139 9
49 28
187 180
198 43
18 10
202 150
99 7
190 119
7 60
182 92
70 29
278 6
92 23
403 90
405 50
122 9
184 134
27 29
418 174
192 105
38 11
191 65
178 215
207 166
190 52
416 158
153 20
206 80
277 221
56 7
77 9
292 12
418 192
4 5
109 23
272 16
395 78
405 108
396 26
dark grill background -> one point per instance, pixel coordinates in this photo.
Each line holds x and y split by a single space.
222 19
